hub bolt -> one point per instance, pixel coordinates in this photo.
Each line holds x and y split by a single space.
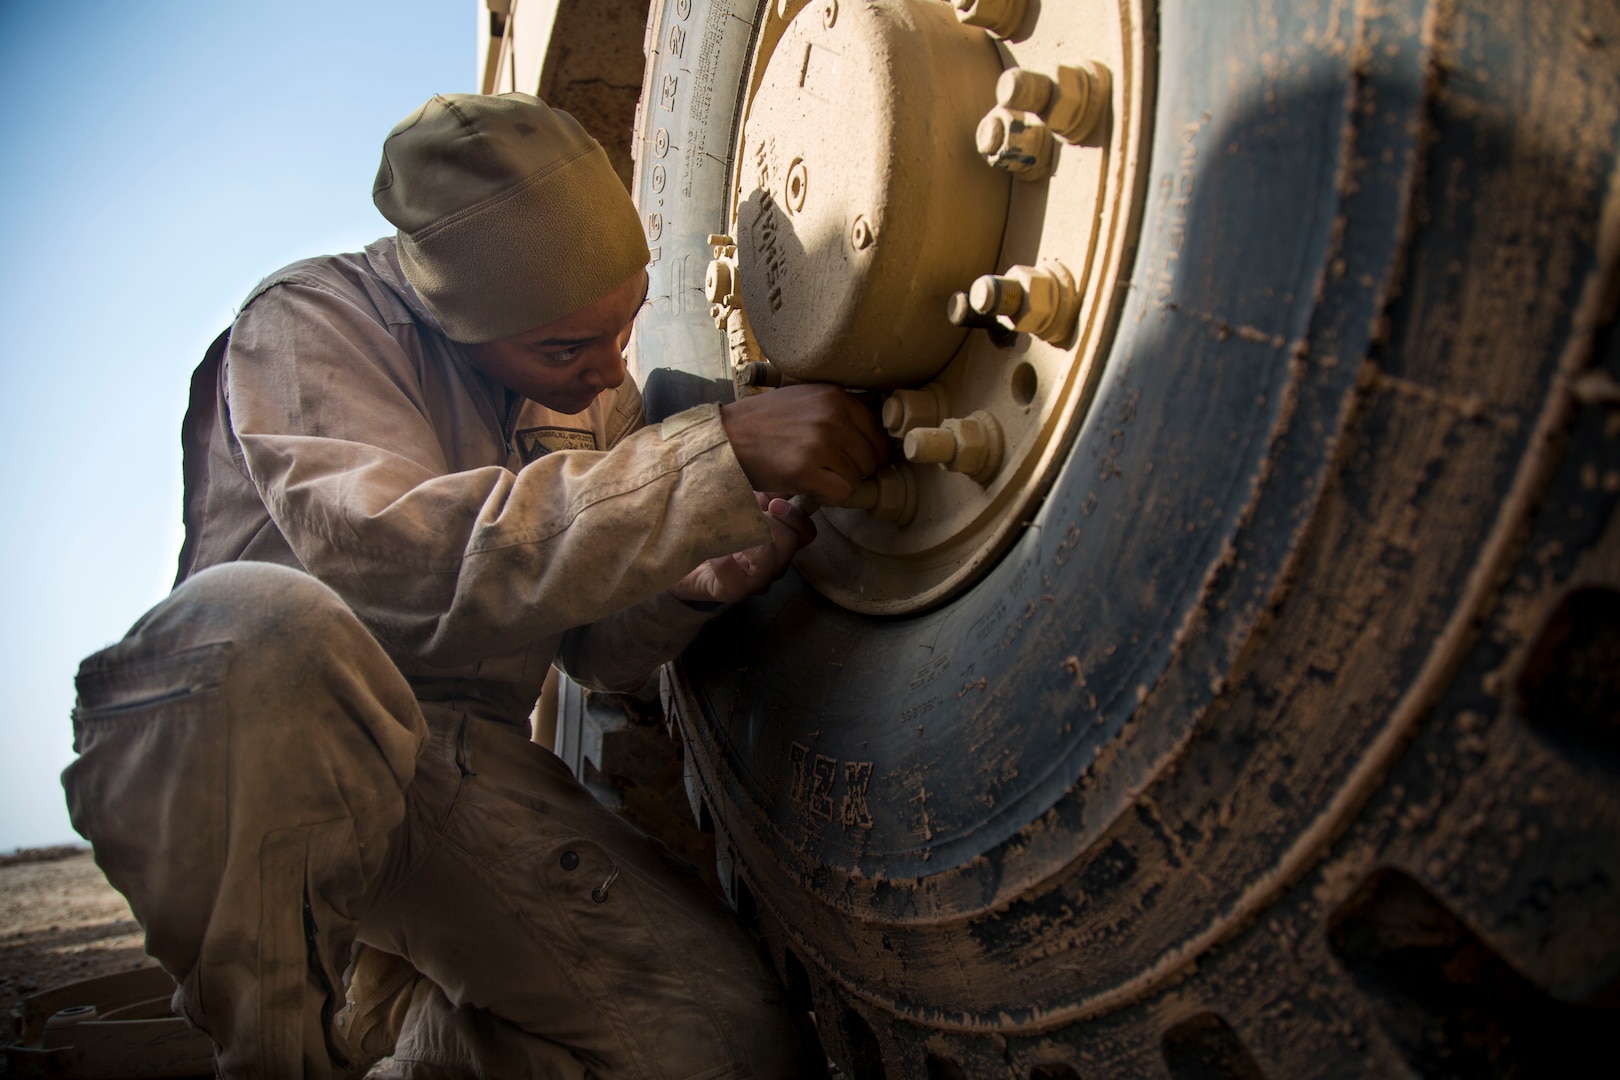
1001 17
1019 142
971 445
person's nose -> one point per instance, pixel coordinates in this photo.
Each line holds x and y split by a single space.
606 370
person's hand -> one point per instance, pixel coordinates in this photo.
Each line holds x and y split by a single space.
737 576
814 439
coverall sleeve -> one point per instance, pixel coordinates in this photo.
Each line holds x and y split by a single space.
338 432
618 652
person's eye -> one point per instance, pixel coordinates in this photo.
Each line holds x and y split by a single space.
563 356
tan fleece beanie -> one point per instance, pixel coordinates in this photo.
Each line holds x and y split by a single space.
509 214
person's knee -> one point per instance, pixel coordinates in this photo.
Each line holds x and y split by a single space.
291 666
288 633
248 604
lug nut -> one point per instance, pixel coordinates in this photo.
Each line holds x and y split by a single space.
1046 303
1001 17
1081 95
1019 142
905 410
971 445
889 495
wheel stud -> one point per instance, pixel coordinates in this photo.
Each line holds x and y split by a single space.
1001 17
996 295
971 445
1019 142
1023 89
1031 300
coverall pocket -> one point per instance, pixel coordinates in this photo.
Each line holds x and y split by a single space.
637 959
148 787
113 688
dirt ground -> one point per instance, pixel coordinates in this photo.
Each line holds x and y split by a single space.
59 922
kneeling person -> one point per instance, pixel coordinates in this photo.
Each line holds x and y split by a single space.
416 476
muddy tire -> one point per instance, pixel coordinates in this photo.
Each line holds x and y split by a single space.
1284 740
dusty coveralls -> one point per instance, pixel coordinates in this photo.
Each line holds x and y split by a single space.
279 759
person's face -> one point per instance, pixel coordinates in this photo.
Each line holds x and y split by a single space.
565 363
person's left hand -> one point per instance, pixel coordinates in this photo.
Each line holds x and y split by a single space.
742 574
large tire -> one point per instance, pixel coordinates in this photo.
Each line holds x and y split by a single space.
1283 741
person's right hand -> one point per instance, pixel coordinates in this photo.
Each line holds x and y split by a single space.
813 439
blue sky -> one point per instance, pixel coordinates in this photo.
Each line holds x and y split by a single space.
158 159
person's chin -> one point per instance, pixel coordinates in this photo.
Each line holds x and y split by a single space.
571 406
